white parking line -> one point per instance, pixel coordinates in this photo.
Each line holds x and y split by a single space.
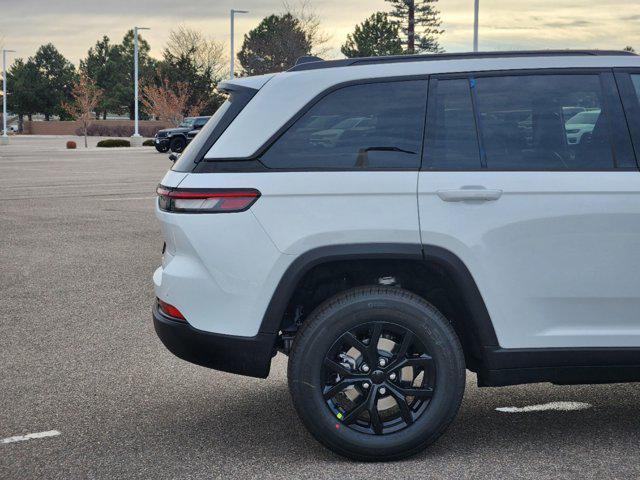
559 406
30 436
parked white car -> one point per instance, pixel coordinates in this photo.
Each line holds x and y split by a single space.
462 232
581 125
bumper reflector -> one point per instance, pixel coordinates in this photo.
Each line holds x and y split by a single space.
170 310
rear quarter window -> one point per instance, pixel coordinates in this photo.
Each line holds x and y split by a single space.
238 98
367 126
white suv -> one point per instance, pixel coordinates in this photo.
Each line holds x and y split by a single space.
451 223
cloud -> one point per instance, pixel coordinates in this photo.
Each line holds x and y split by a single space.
567 24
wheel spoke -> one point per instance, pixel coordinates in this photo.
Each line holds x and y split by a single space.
375 338
404 346
355 412
340 386
425 362
374 416
418 392
405 411
341 370
351 340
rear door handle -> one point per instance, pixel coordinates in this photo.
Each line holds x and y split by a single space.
469 195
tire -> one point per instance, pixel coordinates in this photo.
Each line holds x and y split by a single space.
398 432
178 144
162 149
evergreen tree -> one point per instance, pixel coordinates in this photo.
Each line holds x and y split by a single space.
22 89
106 68
377 35
56 77
274 45
420 23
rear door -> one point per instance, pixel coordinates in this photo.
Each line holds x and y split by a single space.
530 178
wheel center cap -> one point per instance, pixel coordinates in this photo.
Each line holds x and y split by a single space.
377 377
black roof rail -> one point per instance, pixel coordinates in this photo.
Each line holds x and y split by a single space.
314 63
308 58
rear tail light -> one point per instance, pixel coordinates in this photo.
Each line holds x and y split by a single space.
170 310
206 200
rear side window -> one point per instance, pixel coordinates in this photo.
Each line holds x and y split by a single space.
630 88
544 122
551 122
636 84
368 126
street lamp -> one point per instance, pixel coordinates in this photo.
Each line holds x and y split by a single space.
5 137
233 53
136 133
475 25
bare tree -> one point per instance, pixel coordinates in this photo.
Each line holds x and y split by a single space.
310 24
86 97
167 103
207 54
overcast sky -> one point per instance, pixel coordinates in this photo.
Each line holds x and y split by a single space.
74 25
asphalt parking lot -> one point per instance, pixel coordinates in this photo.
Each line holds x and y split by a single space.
79 355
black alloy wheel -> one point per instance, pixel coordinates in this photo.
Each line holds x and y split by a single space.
378 378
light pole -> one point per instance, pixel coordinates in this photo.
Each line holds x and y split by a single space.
233 53
5 137
476 14
136 133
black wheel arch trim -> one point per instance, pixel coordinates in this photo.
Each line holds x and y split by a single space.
445 259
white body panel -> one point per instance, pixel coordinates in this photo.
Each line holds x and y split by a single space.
221 271
555 258
305 210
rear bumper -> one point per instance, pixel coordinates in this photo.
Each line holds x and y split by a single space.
249 356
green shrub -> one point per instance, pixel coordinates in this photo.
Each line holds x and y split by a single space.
114 142
148 143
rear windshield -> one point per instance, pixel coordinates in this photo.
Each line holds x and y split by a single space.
212 130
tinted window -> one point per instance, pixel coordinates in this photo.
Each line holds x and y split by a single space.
200 122
451 141
376 125
544 122
636 84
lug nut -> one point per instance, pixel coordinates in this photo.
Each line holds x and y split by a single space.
393 376
382 362
364 367
366 385
383 390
